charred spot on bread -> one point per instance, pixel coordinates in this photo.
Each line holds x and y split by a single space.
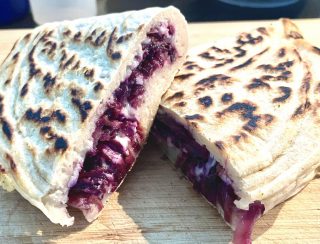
176 95
305 87
59 116
112 37
295 35
89 39
49 81
263 31
77 36
50 47
282 52
211 80
15 57
188 62
194 117
68 62
44 130
26 38
247 38
252 123
267 118
33 70
123 38
120 40
100 39
115 55
183 76
246 112
75 92
219 145
89 73
61 144
206 55
98 86
286 92
38 117
226 61
76 66
45 35
243 65
206 101
279 67
193 66
240 52
83 108
6 129
63 57
180 104
246 109
301 109
24 90
286 73
227 97
249 61
258 83
316 50
34 116
12 164
236 138
219 50
295 51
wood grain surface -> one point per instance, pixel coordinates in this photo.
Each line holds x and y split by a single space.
156 204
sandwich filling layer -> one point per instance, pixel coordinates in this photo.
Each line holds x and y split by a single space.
118 136
206 174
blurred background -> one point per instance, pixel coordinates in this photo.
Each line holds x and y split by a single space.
30 13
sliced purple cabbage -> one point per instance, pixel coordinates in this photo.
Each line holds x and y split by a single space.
118 135
207 176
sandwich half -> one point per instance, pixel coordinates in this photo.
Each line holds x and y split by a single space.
241 121
77 100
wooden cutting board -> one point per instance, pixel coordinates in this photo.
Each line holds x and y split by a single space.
156 204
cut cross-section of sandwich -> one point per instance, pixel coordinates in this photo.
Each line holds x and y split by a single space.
241 121
77 101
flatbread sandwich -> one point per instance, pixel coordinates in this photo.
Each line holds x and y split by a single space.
241 120
77 100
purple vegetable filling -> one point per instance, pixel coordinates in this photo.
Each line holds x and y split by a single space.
207 176
118 135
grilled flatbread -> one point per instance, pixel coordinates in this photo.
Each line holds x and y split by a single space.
241 121
77 100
